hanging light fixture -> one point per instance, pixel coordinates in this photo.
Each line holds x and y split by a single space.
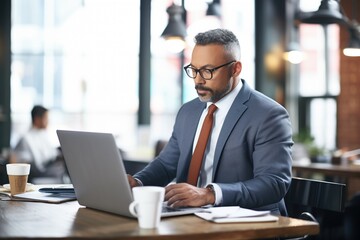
329 12
175 31
214 9
293 54
353 49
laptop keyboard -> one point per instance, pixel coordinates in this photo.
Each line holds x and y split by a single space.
166 208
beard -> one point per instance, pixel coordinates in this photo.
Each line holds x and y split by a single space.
212 95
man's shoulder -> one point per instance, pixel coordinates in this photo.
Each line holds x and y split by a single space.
262 99
193 104
191 109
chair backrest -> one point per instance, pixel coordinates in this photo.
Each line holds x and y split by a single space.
352 218
133 166
316 194
159 145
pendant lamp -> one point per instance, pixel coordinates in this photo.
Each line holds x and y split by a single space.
293 53
329 12
214 9
175 31
353 49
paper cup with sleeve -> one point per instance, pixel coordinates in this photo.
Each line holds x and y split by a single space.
18 176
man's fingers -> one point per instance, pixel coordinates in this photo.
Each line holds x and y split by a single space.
183 195
132 181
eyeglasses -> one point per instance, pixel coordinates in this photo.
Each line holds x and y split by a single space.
205 73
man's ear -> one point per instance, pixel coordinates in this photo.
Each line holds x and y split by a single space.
237 69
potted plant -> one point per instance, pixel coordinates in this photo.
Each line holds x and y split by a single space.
314 152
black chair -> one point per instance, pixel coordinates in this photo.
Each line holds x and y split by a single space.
132 166
3 175
320 201
159 145
352 218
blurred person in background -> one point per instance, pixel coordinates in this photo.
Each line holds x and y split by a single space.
35 147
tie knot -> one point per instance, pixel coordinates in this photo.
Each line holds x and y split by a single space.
212 109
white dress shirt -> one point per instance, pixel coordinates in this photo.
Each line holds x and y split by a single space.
35 146
206 171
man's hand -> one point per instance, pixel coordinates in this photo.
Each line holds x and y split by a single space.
186 195
132 181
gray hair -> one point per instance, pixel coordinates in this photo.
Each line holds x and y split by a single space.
220 37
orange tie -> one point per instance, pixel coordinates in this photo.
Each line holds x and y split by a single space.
198 154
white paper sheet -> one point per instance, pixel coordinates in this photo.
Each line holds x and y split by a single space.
235 214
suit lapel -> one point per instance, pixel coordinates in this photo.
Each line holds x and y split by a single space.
189 134
235 112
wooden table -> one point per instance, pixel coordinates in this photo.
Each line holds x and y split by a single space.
344 173
70 220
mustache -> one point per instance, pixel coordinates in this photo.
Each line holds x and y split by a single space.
201 87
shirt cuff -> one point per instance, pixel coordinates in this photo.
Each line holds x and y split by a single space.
139 182
217 192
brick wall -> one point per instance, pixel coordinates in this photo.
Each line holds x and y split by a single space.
348 130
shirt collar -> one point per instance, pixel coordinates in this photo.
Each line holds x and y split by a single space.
229 98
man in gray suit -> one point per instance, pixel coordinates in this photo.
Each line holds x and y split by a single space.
247 161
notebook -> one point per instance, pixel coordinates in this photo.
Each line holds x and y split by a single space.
98 174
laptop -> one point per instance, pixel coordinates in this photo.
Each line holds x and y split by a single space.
98 174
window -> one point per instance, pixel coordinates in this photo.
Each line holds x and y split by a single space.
319 79
74 58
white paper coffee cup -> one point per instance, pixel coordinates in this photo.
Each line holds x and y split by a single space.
18 169
18 175
147 205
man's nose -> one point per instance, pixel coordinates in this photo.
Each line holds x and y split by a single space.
199 79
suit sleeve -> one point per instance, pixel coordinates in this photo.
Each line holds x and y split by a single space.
267 152
163 169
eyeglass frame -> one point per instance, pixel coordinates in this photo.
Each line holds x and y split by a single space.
211 70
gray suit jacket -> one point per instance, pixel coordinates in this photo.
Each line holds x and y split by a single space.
252 162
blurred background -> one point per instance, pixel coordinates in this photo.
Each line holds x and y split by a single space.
104 65
117 66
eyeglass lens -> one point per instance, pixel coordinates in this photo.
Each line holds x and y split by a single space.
204 73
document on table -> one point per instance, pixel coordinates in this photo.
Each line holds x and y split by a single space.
233 214
37 196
